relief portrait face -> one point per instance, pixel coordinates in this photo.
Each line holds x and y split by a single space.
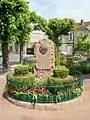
43 49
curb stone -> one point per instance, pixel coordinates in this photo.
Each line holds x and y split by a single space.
44 106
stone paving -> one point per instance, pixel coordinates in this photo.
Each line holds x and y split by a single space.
79 110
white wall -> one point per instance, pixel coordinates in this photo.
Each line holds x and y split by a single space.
35 36
65 48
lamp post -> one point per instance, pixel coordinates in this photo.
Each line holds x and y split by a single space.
73 42
1 59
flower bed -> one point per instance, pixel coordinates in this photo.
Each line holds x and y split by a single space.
46 90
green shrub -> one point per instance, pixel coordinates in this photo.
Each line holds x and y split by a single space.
61 71
30 62
31 66
54 81
29 59
82 66
24 87
60 84
21 80
21 70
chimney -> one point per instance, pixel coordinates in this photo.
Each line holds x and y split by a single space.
82 21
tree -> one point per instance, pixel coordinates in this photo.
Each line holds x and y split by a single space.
38 22
58 27
7 28
55 27
82 43
14 15
23 25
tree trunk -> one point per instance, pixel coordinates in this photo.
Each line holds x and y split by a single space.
21 53
5 57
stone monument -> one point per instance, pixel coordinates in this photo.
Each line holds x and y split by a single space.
44 52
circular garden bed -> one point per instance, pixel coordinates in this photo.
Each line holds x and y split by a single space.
26 87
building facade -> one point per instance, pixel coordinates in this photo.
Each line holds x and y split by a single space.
68 41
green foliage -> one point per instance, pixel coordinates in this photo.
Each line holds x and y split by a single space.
22 78
23 22
51 89
30 65
59 59
57 56
61 71
14 24
80 65
21 70
58 27
53 28
60 84
58 81
30 61
82 43
14 21
38 22
20 82
63 60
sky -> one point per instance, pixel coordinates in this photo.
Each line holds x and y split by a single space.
76 9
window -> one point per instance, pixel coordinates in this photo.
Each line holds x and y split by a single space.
71 36
30 51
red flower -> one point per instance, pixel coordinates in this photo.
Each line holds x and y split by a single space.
32 90
39 90
46 90
11 89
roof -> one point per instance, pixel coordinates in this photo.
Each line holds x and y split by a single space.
83 26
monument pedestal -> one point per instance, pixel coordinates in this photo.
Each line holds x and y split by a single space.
44 51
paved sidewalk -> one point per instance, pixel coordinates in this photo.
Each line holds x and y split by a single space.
79 110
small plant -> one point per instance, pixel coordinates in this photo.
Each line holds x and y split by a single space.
21 70
30 62
61 71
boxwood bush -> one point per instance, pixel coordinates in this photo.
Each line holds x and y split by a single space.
60 71
20 83
30 61
21 70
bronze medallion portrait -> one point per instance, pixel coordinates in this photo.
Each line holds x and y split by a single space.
43 49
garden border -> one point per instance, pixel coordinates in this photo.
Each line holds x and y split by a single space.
47 98
45 106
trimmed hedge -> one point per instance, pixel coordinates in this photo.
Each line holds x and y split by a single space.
48 90
20 81
30 61
61 71
21 70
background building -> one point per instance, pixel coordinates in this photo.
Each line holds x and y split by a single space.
68 41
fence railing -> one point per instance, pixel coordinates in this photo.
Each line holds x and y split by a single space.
45 93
